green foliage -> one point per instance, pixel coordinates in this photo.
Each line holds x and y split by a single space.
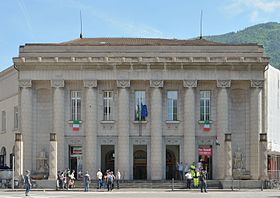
266 34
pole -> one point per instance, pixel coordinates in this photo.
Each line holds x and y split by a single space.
13 171
172 184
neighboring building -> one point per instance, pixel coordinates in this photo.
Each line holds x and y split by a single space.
139 105
272 76
9 117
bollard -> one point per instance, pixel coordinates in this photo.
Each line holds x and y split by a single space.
172 184
261 185
232 184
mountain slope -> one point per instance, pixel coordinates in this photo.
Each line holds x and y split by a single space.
266 34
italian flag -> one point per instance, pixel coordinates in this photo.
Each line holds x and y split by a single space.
206 126
76 125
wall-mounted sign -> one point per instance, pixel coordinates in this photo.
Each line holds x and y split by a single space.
205 151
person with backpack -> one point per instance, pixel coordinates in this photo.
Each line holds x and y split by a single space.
86 181
202 180
110 181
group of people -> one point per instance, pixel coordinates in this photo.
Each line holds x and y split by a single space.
198 176
108 180
66 179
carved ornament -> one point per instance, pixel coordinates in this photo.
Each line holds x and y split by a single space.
90 83
156 83
223 83
190 83
257 83
57 83
25 83
123 83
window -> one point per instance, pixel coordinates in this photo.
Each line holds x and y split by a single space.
16 117
3 120
76 105
140 106
205 105
107 105
172 110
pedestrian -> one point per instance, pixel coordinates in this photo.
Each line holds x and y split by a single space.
189 179
86 181
110 180
99 176
118 178
27 182
68 178
202 180
180 169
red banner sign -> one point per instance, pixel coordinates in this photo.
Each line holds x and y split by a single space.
205 151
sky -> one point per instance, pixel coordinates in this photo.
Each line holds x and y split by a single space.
55 21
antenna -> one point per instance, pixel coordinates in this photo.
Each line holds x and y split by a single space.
81 22
201 14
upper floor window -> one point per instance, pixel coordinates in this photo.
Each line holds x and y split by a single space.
3 120
108 105
16 117
205 105
172 109
76 105
140 110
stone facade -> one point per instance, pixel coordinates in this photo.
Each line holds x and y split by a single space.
150 148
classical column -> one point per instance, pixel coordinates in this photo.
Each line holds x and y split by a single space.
228 157
18 155
222 125
58 119
189 120
255 127
53 157
90 155
263 157
26 121
156 131
123 128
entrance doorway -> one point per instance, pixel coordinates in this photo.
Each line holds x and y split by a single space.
172 157
140 162
76 160
107 158
205 157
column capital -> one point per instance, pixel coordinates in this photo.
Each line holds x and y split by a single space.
190 83
156 83
57 83
257 83
25 83
18 137
123 83
90 83
223 83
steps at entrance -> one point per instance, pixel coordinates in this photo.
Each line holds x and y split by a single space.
165 184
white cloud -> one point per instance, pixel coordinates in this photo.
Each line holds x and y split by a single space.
255 8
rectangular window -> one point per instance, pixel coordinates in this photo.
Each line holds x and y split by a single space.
108 105
76 105
205 105
172 110
16 117
139 104
3 120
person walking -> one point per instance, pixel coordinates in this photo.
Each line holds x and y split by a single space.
86 181
202 180
27 182
99 176
189 179
180 169
118 178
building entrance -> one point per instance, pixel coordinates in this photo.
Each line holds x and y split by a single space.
140 162
76 161
107 158
205 158
172 157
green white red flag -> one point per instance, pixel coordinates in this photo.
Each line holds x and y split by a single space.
206 126
76 125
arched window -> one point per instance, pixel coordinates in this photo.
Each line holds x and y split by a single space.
3 157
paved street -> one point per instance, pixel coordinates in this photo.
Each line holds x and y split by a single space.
142 193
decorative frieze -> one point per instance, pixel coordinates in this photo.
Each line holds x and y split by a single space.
140 141
257 83
173 141
57 83
190 83
107 141
156 83
123 83
223 83
25 83
90 83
